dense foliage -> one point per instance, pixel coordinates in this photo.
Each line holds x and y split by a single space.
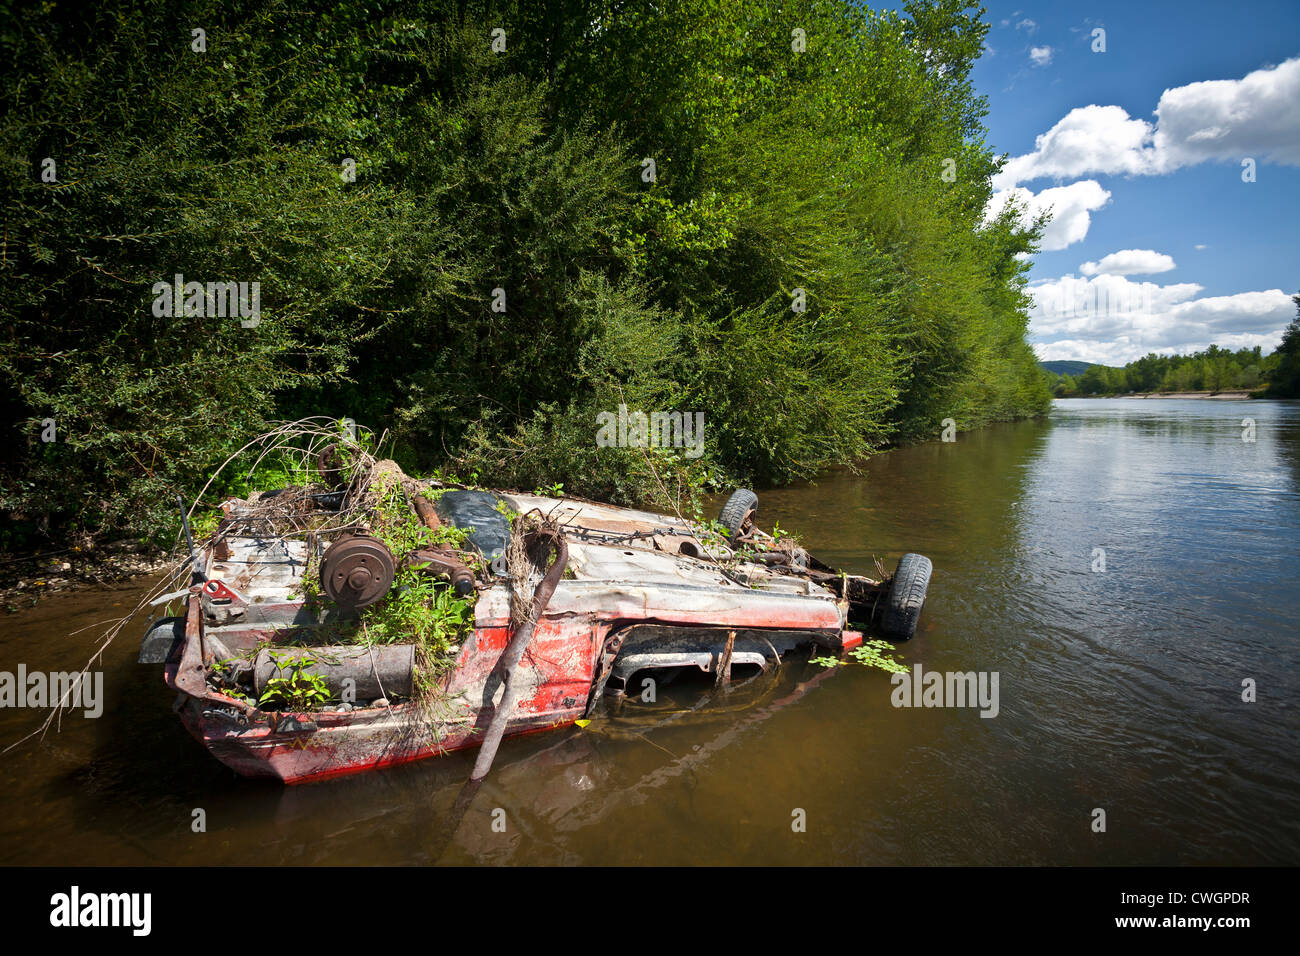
809 150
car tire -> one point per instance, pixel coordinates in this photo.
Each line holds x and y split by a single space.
736 512
906 596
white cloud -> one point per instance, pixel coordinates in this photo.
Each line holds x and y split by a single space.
1101 139
1200 246
1071 207
1028 25
1113 320
1040 55
1241 313
1257 116
1129 262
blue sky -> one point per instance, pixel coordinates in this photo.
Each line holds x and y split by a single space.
1150 206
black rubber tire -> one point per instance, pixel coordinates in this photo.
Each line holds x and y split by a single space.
906 596
161 640
738 507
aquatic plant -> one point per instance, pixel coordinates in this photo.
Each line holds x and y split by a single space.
872 653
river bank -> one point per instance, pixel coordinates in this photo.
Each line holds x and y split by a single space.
26 578
1234 395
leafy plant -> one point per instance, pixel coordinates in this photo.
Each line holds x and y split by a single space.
293 688
501 507
419 609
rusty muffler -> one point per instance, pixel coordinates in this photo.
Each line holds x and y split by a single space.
379 671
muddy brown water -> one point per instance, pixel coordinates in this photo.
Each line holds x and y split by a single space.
1119 690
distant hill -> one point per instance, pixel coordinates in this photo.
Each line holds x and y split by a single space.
1067 368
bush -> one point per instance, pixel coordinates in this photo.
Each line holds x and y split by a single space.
823 170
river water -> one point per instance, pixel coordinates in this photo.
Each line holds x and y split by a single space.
1124 567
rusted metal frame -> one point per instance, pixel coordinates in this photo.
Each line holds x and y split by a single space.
445 563
583 533
865 588
780 560
618 634
613 642
863 594
190 676
746 532
440 559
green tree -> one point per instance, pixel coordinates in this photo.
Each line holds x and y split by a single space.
808 263
1285 379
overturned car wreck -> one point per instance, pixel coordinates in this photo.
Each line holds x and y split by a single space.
567 602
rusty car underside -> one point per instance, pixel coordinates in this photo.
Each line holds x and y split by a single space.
628 593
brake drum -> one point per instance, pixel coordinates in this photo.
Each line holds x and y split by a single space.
357 570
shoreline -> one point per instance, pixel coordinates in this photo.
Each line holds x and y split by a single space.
26 579
1231 395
